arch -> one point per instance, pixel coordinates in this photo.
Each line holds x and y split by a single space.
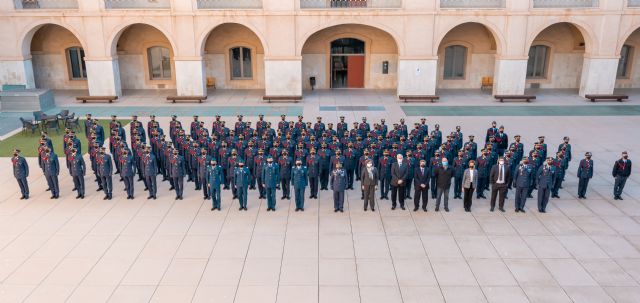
30 31
497 35
622 39
121 28
202 41
585 31
385 29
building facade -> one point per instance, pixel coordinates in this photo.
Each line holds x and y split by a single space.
412 46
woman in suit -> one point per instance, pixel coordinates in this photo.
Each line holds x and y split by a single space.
469 183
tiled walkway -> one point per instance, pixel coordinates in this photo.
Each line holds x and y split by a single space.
163 250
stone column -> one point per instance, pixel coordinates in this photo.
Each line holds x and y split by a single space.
103 76
598 75
19 72
510 76
283 76
190 77
417 76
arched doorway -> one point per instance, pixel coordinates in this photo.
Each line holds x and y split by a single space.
627 75
347 63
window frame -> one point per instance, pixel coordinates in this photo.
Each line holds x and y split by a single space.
463 61
545 63
163 76
627 63
241 62
82 64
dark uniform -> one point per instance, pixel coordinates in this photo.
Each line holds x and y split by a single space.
384 169
545 178
338 186
621 171
270 181
241 180
285 175
21 172
522 181
78 170
299 178
177 173
215 179
127 171
313 170
150 171
585 172
105 171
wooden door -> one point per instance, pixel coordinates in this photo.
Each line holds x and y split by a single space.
355 72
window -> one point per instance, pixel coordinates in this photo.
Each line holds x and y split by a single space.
241 67
77 67
537 63
159 63
625 59
455 57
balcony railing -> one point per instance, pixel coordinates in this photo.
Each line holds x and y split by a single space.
140 4
229 4
633 3
45 4
472 3
565 3
350 4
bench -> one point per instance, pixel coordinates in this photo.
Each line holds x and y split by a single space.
527 98
282 98
419 98
618 98
173 99
84 99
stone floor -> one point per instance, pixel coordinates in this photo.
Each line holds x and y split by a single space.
163 250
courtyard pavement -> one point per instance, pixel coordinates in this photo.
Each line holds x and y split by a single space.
163 250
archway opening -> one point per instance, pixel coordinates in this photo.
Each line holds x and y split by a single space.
347 63
628 75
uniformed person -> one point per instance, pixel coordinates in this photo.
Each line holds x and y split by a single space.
299 178
270 181
338 186
313 170
105 172
285 174
150 168
241 180
545 178
21 172
522 181
384 169
51 168
203 161
215 179
78 170
177 173
127 172
585 172
621 171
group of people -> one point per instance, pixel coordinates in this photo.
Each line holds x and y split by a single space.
301 154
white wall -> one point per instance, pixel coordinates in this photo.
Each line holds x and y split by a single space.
478 66
217 66
51 71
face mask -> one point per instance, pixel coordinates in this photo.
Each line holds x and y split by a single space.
298 164
471 166
369 165
588 157
15 154
501 162
445 164
625 156
423 165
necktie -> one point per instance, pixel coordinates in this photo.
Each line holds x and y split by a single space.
500 175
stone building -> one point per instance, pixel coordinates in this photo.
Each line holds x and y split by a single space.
411 46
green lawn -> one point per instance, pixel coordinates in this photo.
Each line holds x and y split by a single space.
28 143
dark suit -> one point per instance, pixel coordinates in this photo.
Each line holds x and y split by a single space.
369 184
443 177
621 171
420 179
78 169
499 189
21 172
399 175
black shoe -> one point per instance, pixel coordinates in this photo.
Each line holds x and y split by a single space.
402 207
502 210
415 209
77 197
365 209
341 210
240 208
373 209
437 208
408 197
81 197
172 188
491 209
467 210
446 209
48 189
425 210
529 196
543 211
149 197
109 197
522 210
105 198
517 210
52 197
301 209
335 210
393 208
620 198
99 189
74 189
22 198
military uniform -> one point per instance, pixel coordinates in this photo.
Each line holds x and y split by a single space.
299 175
285 175
51 168
621 171
21 172
270 180
241 180
127 172
313 170
585 173
78 170
105 171
214 181
384 169
545 178
338 186
522 181
150 168
177 173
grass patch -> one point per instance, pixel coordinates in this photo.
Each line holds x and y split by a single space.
28 143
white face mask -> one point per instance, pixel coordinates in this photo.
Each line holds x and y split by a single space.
369 165
445 164
501 162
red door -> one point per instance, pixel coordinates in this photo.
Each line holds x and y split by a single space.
355 72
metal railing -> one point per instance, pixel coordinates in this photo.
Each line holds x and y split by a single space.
137 4
350 4
472 3
229 4
45 4
565 3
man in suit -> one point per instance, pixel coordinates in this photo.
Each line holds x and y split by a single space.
177 171
105 172
78 170
421 184
585 172
469 183
399 173
299 178
522 182
241 180
338 186
150 171
127 171
443 175
215 179
545 179
21 172
499 176
621 171
369 182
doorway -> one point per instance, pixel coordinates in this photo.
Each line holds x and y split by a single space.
347 63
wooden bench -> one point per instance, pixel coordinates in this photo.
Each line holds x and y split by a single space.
527 98
281 98
84 99
173 99
618 98
419 98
